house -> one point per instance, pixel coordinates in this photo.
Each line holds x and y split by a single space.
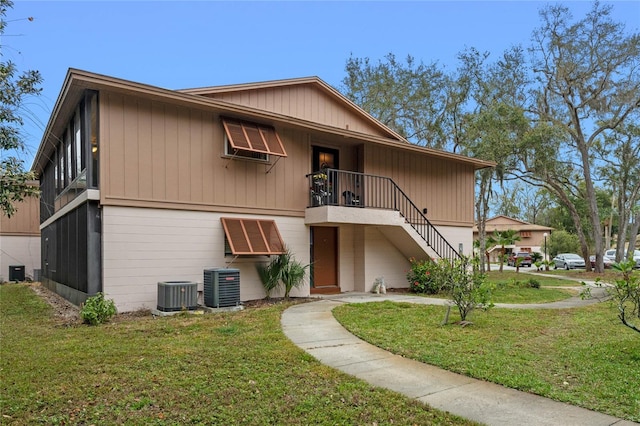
531 236
20 241
142 185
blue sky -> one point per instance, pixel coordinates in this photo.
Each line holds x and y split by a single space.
180 44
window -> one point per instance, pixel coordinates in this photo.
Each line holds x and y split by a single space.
77 143
252 236
61 174
251 140
68 156
525 234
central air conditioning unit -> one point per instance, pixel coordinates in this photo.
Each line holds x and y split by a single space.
221 287
176 296
16 273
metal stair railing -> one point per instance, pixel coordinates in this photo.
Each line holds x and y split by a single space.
353 189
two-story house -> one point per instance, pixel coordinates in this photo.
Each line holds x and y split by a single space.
142 184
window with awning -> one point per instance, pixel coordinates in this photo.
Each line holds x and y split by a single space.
250 137
252 236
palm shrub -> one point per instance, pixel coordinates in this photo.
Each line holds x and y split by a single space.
282 270
269 275
536 257
292 273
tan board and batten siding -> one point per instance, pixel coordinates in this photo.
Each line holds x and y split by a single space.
429 182
307 102
156 154
25 221
175 156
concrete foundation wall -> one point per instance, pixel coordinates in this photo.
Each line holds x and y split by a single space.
19 250
142 247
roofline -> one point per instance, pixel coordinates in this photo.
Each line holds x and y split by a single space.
91 80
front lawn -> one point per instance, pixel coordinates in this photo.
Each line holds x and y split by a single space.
583 356
218 369
545 281
518 287
514 287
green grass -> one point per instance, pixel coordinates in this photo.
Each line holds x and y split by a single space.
583 356
548 281
219 369
512 287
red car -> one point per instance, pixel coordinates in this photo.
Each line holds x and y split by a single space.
525 256
607 262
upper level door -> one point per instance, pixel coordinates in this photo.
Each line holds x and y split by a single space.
325 158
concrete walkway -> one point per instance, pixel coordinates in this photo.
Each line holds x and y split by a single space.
312 327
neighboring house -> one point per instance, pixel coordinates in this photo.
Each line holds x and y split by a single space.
142 184
20 239
531 236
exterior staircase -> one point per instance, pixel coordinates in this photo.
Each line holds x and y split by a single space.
332 187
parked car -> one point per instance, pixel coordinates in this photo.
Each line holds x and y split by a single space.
568 261
607 261
611 254
525 256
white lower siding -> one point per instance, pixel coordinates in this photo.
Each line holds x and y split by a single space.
384 261
457 235
19 250
142 247
366 253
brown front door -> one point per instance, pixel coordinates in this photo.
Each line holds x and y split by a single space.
324 260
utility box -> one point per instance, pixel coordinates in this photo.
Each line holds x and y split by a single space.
16 272
176 296
221 287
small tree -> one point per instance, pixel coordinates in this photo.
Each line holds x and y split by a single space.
505 238
625 294
466 287
517 261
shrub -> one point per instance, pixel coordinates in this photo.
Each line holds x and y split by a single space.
282 270
97 310
533 283
424 276
270 275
